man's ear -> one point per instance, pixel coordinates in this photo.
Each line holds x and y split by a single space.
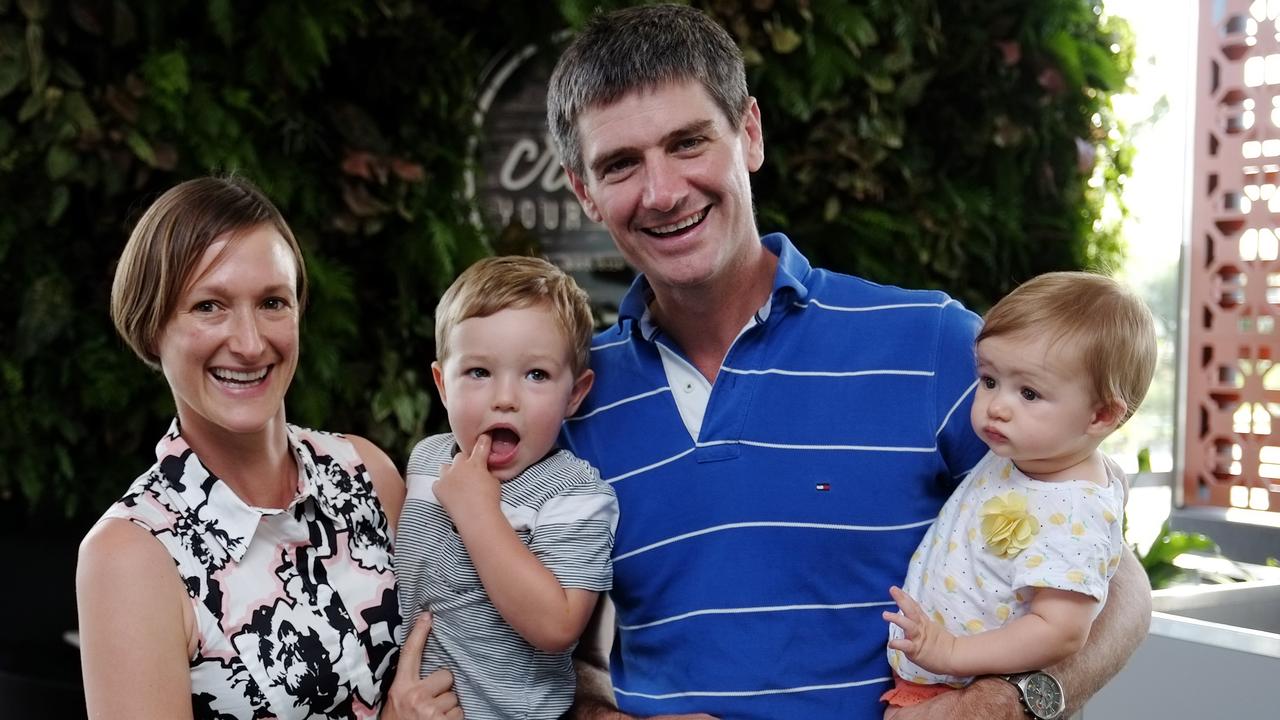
581 387
584 196
437 374
1107 417
754 136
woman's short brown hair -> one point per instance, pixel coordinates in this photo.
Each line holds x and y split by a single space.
168 243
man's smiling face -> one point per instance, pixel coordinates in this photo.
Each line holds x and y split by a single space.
669 177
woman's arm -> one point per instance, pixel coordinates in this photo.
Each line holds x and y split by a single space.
137 627
527 595
387 483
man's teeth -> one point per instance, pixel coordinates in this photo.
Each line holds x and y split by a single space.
678 226
240 377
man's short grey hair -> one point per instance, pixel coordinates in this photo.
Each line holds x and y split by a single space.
641 48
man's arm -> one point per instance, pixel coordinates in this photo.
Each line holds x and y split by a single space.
593 699
1116 634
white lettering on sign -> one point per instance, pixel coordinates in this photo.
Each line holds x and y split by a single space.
527 162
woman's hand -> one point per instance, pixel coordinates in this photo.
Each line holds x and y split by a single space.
414 698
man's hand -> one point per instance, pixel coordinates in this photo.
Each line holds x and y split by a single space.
466 485
986 698
926 643
428 698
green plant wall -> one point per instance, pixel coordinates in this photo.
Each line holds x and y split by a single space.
940 143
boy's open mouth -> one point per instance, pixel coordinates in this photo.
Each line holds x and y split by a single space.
502 448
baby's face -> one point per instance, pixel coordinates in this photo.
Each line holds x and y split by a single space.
509 375
1034 403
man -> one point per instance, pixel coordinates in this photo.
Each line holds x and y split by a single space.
779 436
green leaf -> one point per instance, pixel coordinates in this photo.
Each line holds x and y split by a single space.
141 147
31 107
783 39
13 70
60 161
34 10
1066 50
67 74
35 54
58 203
220 19
78 111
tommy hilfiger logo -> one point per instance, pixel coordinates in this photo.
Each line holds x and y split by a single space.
822 487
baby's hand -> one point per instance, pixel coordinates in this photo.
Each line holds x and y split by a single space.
466 485
925 642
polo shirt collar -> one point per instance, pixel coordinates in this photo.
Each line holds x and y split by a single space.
788 279
215 508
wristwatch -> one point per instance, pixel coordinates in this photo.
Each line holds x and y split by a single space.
1040 694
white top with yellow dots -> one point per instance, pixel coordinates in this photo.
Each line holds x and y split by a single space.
1001 533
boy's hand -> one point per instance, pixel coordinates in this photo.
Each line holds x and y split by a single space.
925 642
466 486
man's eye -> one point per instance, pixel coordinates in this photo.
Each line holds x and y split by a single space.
617 167
1028 394
689 143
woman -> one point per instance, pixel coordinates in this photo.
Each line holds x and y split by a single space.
283 602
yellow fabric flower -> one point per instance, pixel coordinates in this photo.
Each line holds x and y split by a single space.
1007 526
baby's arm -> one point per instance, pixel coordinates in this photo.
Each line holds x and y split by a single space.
1055 627
524 591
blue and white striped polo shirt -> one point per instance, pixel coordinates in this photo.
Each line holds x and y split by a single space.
751 565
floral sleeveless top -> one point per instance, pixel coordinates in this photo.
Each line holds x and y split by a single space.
296 609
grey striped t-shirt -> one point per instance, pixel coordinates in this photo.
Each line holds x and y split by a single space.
565 514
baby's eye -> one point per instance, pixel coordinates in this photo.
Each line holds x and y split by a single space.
538 375
1029 395
477 373
988 382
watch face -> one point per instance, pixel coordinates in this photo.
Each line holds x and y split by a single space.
1044 696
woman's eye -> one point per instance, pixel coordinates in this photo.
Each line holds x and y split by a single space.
275 303
204 306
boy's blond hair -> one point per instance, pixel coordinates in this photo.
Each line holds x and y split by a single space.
498 283
1114 329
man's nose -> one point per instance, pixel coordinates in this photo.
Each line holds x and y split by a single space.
664 187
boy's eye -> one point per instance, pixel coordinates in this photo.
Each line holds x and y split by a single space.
538 375
1028 394
477 373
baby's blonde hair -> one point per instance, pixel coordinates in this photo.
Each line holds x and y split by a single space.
1113 327
512 281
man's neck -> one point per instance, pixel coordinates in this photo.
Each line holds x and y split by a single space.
706 319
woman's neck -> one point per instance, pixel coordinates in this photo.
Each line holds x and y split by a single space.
257 466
